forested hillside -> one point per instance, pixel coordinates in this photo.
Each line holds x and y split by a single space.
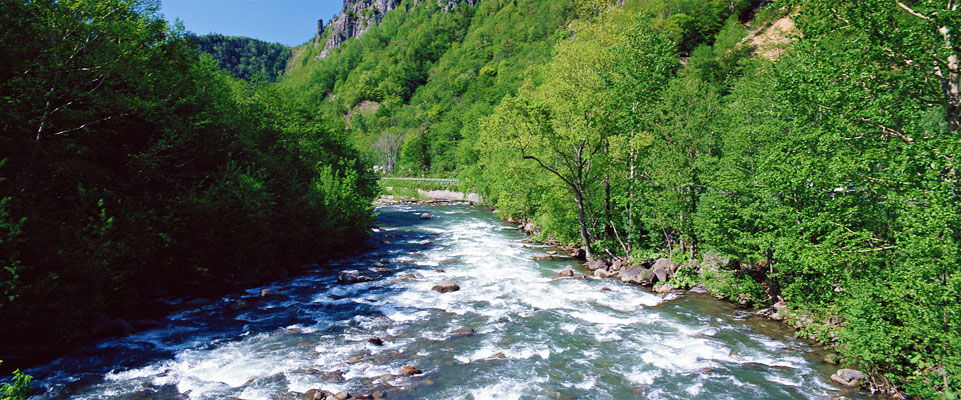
245 58
132 168
811 145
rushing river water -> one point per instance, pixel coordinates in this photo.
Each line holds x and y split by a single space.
535 338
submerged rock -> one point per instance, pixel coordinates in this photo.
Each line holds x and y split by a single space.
462 332
239 305
376 341
445 286
425 216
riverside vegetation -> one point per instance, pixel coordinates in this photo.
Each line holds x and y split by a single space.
822 159
133 168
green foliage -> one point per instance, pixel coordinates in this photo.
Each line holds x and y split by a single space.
685 277
132 162
245 58
18 388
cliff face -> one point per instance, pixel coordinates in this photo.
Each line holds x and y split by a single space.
359 15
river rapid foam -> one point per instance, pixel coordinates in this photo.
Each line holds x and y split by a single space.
535 338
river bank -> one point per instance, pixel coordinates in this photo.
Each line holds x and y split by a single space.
509 331
705 276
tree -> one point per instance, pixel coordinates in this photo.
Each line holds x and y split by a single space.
560 124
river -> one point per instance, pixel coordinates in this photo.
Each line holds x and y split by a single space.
536 338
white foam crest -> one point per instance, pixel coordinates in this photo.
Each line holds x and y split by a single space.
366 370
523 352
601 318
483 353
503 390
587 383
694 389
642 375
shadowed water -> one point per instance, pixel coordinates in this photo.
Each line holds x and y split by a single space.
535 338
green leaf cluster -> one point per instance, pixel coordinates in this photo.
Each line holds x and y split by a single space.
135 168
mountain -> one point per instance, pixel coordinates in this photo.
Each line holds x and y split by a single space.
360 15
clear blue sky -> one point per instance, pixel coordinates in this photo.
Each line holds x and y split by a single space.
291 22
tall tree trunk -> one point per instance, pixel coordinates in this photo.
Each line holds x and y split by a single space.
582 221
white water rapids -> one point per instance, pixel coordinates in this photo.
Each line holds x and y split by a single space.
536 338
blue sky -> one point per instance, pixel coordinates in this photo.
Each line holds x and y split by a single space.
291 22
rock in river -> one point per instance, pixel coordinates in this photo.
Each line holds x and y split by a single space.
445 286
543 257
352 276
461 332
663 288
567 273
409 370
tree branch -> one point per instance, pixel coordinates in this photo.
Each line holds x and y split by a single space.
912 12
83 126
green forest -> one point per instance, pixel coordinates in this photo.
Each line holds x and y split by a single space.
812 143
132 167
243 57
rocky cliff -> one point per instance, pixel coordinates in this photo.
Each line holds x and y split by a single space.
359 15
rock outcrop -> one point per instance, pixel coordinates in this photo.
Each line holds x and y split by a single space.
358 16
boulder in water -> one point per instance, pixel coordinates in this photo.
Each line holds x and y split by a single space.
409 370
376 341
663 288
425 216
406 277
352 276
543 257
602 273
849 377
567 273
445 286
